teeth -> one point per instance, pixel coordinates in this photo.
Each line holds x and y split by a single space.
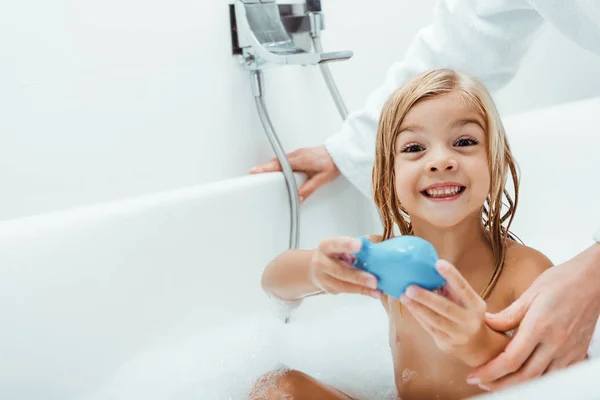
443 192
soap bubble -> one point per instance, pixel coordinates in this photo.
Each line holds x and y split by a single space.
267 385
408 375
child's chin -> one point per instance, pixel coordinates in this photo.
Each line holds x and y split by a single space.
444 222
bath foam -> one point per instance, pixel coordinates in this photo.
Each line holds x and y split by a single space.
219 364
345 346
594 351
340 340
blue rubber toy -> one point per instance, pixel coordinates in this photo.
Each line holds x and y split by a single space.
400 262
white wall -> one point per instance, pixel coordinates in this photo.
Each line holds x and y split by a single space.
102 100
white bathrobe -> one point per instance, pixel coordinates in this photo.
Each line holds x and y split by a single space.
487 38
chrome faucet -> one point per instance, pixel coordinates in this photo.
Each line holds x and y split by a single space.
264 40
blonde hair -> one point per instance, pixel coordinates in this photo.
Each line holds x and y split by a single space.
428 85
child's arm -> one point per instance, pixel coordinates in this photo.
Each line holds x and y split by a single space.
287 275
297 273
485 346
528 265
457 325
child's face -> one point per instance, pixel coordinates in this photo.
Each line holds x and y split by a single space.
441 165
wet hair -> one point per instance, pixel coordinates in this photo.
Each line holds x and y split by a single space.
428 85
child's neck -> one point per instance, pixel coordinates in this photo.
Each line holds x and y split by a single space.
457 243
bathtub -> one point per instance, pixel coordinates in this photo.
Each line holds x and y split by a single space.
158 297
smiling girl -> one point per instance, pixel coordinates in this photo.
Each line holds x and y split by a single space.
440 173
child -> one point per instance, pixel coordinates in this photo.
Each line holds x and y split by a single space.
442 161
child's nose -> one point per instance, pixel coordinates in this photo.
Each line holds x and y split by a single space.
443 164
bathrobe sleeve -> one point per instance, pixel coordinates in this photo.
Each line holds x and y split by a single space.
485 38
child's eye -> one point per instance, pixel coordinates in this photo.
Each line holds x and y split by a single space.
412 148
462 142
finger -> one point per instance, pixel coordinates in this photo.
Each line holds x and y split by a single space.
312 184
579 359
271 166
440 305
445 292
534 367
340 245
516 353
574 357
563 359
335 286
433 331
557 364
459 285
510 317
346 258
340 271
430 317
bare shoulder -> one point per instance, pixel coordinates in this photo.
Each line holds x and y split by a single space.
522 266
521 258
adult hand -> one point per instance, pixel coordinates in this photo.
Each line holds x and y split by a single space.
315 162
556 317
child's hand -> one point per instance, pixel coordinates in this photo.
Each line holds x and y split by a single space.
455 320
331 269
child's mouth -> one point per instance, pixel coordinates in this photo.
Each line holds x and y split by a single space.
446 193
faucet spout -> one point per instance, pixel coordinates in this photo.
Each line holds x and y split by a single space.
265 41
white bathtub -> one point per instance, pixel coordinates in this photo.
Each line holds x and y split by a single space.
159 297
